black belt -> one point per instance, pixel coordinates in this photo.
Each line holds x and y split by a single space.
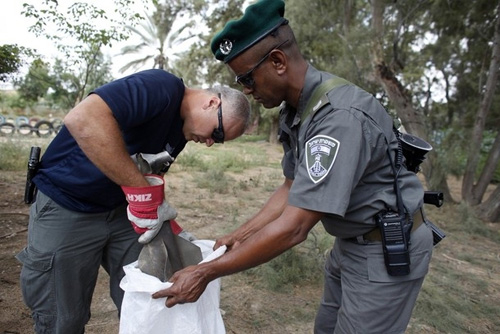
374 235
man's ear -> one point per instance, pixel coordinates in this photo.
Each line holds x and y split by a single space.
211 102
279 61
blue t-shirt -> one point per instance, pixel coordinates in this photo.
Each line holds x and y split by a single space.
146 106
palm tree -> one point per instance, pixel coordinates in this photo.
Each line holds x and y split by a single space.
157 37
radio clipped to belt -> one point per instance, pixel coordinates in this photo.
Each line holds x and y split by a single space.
395 227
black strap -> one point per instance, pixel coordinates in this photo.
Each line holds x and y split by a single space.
319 98
396 168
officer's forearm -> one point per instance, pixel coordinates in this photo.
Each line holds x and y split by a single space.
290 229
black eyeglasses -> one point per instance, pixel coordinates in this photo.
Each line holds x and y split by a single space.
246 79
218 133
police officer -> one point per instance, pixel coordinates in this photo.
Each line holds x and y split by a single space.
339 150
80 220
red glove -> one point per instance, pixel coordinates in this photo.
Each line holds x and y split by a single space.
147 208
176 229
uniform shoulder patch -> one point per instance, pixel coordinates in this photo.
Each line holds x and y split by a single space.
321 152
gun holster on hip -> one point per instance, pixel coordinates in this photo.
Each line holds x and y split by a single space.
33 164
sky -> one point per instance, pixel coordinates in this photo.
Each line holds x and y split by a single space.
14 30
14 27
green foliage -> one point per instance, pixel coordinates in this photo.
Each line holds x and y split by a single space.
81 22
462 53
157 37
451 148
236 157
161 42
71 84
10 60
337 40
12 102
215 180
66 86
36 83
12 57
191 160
425 44
198 66
486 148
267 117
79 32
251 138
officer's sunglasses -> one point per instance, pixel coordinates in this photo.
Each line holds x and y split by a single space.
218 133
246 80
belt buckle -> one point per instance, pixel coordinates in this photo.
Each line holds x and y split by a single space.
360 239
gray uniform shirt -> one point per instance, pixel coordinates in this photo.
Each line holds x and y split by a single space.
338 159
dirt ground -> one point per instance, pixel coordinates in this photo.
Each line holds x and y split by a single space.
246 307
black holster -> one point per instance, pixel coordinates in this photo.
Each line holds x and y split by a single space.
33 164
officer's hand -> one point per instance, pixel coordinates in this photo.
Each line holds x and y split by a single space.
229 240
188 285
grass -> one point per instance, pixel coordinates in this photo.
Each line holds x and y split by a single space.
14 152
12 156
215 164
300 265
234 157
460 294
451 302
215 180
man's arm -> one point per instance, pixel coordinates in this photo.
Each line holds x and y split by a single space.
273 208
98 134
290 229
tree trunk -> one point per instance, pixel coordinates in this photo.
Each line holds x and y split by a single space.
273 131
410 118
436 176
348 10
471 193
490 209
488 169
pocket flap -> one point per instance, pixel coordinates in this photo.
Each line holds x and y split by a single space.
36 260
419 267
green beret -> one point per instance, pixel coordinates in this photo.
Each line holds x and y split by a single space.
259 20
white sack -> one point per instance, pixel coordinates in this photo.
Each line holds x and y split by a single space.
141 314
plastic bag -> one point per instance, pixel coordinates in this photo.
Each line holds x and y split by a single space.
141 314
